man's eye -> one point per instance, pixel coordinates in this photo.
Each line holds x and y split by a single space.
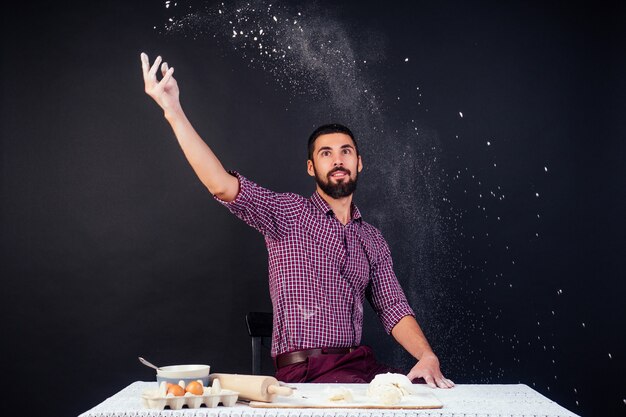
325 153
347 151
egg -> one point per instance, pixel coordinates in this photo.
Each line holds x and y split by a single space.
195 387
175 390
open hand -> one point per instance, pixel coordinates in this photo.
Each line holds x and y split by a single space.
164 92
428 368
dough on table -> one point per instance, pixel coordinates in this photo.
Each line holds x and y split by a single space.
389 389
339 394
387 394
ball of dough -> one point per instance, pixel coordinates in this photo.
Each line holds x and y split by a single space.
389 388
398 380
387 394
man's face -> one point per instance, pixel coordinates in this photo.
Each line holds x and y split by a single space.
335 165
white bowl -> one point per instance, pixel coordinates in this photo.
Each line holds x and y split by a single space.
184 371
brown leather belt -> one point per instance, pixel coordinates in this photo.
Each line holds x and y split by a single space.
290 358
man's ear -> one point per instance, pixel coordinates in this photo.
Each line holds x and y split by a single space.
309 168
359 166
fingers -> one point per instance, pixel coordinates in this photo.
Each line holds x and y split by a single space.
430 381
150 71
412 375
155 67
145 63
444 383
149 74
166 77
434 379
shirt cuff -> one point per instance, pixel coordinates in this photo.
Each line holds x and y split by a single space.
243 196
394 313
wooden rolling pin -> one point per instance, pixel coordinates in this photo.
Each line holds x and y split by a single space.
253 387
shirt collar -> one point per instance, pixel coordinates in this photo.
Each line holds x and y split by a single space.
323 206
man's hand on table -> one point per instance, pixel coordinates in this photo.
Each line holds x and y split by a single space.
428 368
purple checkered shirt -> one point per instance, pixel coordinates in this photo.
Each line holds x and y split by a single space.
320 271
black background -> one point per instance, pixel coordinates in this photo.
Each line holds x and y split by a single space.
112 249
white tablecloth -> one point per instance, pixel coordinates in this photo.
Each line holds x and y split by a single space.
463 401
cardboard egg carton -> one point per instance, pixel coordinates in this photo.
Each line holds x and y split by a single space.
156 399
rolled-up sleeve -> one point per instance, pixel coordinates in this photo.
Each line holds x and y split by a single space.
269 212
385 293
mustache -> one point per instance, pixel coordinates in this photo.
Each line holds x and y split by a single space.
338 169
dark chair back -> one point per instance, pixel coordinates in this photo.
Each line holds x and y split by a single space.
260 331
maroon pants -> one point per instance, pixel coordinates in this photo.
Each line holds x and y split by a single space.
358 366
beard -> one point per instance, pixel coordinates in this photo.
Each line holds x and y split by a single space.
339 190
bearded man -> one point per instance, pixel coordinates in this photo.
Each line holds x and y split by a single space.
324 259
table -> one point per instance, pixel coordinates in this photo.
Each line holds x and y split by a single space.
491 400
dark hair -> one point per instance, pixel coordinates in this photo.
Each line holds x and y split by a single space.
325 130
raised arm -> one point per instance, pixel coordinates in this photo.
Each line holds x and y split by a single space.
201 158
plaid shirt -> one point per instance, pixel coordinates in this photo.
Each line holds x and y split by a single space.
320 271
